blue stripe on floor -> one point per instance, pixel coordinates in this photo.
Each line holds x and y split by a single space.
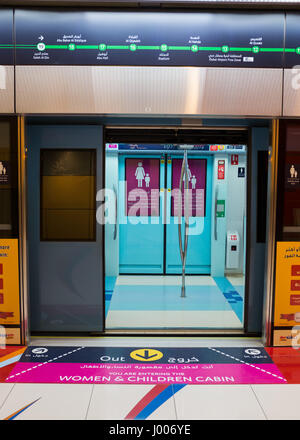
159 400
110 283
159 297
109 290
107 304
232 295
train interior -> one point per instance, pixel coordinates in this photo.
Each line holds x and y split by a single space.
143 283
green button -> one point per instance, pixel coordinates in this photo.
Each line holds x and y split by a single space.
132 47
225 49
194 48
163 47
102 46
71 46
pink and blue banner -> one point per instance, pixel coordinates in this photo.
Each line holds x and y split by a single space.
146 366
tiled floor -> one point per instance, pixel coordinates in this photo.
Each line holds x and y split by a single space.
119 402
155 302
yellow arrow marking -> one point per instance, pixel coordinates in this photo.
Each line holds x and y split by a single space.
146 355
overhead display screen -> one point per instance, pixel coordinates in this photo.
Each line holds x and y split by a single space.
6 37
208 39
292 40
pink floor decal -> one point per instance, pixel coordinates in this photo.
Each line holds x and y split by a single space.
192 374
147 366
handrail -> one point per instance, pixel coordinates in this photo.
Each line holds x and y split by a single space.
183 252
116 212
216 211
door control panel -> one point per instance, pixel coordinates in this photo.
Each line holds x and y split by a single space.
232 250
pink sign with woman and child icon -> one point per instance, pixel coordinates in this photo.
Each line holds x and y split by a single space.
142 183
196 173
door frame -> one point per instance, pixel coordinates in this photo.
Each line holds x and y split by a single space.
218 132
22 195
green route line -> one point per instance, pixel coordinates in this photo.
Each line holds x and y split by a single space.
163 48
148 47
179 48
240 49
19 46
117 47
85 47
275 49
209 48
56 46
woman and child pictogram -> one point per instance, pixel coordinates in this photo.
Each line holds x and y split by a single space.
192 178
140 176
293 172
2 169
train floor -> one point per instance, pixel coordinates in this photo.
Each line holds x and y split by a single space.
155 302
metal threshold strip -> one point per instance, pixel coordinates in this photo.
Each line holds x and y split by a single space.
177 332
174 127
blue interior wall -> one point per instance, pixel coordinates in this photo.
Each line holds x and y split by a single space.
112 232
218 232
237 210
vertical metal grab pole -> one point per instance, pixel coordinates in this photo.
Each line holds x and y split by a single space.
183 253
116 212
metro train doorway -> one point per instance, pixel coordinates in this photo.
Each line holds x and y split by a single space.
93 274
152 196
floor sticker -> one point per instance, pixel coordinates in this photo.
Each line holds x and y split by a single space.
155 398
287 360
146 366
19 411
9 356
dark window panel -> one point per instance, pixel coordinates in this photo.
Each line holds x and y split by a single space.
68 195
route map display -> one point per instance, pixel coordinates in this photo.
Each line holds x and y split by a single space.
292 40
99 38
6 37
209 39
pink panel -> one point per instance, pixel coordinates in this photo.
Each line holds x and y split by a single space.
197 187
142 187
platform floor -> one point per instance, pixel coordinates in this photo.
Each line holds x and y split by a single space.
116 402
